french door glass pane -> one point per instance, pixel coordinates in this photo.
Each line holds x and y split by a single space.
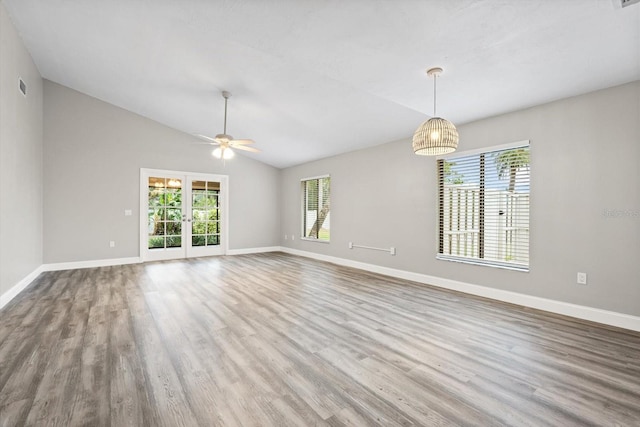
205 213
165 213
174 228
174 241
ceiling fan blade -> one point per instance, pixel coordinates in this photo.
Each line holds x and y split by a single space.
242 147
205 137
243 141
206 143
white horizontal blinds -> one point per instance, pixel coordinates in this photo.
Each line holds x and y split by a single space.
310 204
316 208
484 207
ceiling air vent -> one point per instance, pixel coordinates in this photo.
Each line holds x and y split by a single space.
23 86
626 3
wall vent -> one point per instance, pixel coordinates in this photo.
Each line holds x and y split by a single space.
626 3
23 86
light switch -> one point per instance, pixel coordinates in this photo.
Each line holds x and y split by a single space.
127 212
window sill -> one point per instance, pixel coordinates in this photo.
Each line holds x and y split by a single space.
494 264
307 239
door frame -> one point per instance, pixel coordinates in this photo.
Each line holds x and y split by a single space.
145 173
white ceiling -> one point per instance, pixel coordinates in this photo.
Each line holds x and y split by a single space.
314 78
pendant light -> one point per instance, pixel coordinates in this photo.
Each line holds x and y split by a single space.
435 136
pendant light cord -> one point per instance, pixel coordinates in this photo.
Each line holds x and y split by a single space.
435 77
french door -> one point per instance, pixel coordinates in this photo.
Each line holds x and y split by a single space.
183 214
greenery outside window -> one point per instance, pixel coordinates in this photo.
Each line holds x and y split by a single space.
164 217
316 208
205 228
484 206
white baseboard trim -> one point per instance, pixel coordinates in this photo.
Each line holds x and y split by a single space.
90 264
22 284
19 287
253 250
26 281
606 317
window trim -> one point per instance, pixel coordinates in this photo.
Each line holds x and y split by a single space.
302 209
473 261
500 147
315 177
311 239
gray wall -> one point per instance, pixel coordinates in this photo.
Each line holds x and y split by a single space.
584 159
20 160
93 155
585 153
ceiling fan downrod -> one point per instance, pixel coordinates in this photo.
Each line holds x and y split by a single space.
226 96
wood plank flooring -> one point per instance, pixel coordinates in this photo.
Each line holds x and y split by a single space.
278 340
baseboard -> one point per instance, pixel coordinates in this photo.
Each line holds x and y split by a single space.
246 251
605 317
19 287
90 264
136 260
22 284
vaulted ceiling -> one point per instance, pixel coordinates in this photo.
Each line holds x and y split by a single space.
311 79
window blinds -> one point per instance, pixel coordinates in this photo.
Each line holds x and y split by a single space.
316 208
484 207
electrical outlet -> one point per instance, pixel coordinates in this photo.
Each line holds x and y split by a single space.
112 244
128 212
286 237
582 278
350 245
293 237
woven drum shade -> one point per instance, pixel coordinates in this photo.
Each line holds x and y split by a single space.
434 137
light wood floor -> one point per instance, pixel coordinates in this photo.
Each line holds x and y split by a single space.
274 339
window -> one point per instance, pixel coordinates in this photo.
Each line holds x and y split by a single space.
205 210
484 206
316 204
164 217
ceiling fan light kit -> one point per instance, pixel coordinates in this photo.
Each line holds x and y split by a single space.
223 153
225 142
435 136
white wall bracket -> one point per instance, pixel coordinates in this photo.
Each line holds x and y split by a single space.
391 250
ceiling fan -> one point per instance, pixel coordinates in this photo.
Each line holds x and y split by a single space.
226 142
